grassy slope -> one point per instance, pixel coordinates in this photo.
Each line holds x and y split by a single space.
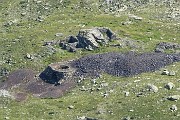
27 36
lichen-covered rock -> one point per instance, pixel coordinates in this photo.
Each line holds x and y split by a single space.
89 39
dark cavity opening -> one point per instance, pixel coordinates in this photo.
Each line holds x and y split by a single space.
63 67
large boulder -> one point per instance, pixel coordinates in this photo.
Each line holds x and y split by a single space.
89 39
57 72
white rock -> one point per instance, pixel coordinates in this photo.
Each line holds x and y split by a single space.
165 72
126 94
169 86
174 97
93 81
173 108
71 107
104 84
172 73
59 34
152 88
6 118
81 118
28 56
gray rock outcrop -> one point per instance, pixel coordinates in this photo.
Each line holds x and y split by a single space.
88 39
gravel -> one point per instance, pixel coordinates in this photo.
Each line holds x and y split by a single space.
119 64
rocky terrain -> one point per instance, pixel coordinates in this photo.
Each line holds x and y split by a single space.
58 78
89 60
128 64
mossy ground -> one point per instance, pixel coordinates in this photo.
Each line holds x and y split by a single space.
27 36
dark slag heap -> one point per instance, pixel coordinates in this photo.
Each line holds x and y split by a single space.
119 64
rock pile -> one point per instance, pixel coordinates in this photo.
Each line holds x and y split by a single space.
119 64
161 47
89 39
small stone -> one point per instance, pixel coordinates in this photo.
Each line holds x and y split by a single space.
93 81
137 81
99 88
172 73
23 14
134 17
71 107
88 118
131 110
178 89
111 91
139 94
152 88
169 86
51 113
100 112
165 72
59 34
173 108
83 88
6 118
159 50
105 94
104 84
127 118
81 118
126 94
174 97
38 2
28 56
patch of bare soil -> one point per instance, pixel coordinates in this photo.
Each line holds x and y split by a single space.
23 82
